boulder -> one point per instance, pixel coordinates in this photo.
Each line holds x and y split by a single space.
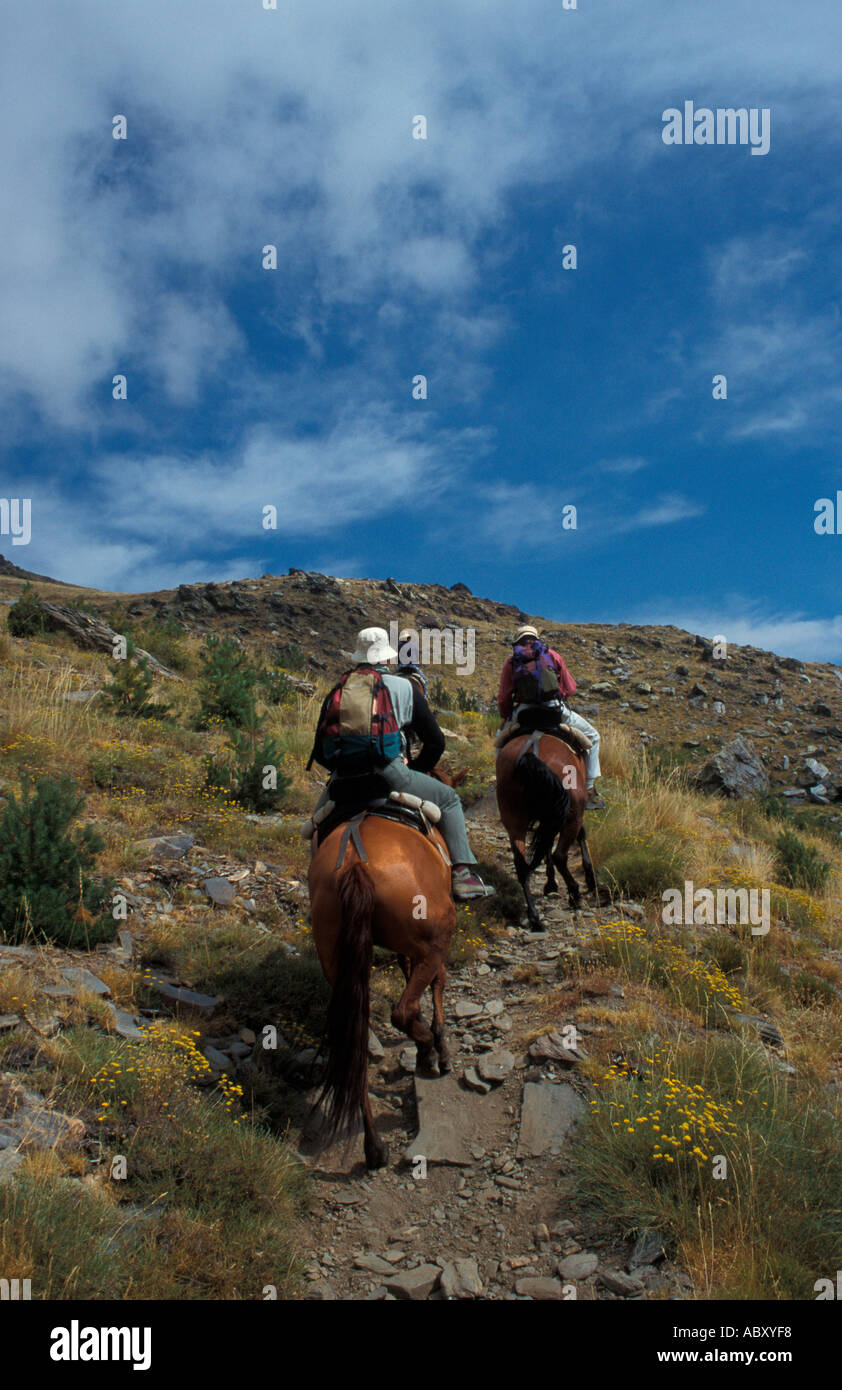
79 978
496 1065
220 890
445 1120
623 1284
648 1249
89 632
474 1082
548 1113
735 771
415 1284
190 999
461 1279
167 846
542 1289
27 1121
579 1266
814 772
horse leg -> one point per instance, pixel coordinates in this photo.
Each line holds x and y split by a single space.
437 1026
587 864
406 1015
376 1152
560 854
551 885
522 871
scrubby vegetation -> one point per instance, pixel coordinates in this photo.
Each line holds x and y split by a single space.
705 1142
212 1193
189 1200
26 617
130 689
48 891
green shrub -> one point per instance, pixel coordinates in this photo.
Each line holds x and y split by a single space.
47 891
277 688
226 684
773 807
665 764
799 865
466 701
251 775
118 768
164 639
810 990
726 951
643 869
26 617
438 697
130 691
290 655
288 991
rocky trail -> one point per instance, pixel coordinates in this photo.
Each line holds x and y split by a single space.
474 1201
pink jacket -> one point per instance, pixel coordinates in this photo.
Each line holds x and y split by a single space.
505 695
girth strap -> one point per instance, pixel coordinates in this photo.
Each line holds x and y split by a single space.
531 745
352 832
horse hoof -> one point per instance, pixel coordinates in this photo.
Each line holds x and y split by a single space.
377 1156
550 892
426 1066
536 928
445 1064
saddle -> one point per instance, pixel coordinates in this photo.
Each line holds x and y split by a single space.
542 721
354 798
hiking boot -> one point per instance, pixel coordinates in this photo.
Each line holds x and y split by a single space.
467 885
595 802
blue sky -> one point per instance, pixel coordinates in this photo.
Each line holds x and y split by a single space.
443 256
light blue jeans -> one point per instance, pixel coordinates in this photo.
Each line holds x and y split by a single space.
581 725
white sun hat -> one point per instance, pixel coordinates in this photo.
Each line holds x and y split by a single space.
373 646
527 631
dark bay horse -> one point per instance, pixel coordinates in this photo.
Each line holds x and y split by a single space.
399 899
541 786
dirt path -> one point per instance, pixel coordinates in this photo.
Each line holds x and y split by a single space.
474 1201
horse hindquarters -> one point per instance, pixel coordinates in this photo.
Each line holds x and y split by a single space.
529 791
549 803
345 1089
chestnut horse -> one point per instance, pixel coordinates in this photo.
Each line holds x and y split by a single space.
400 899
544 790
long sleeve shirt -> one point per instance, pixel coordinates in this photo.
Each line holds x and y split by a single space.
425 728
416 721
505 694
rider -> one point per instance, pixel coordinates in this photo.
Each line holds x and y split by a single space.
402 774
527 637
407 663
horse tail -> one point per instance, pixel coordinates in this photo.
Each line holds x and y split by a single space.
549 804
346 1072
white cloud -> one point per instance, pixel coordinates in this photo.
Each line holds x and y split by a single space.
788 634
294 126
666 511
624 463
148 516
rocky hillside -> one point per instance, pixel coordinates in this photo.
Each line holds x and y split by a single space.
668 687
144 1115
